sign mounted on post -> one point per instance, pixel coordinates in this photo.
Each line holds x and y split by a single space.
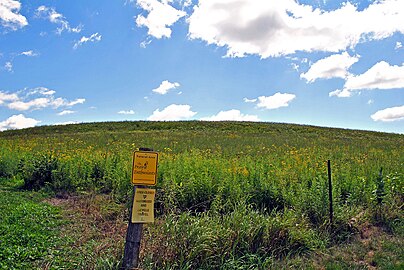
144 171
143 206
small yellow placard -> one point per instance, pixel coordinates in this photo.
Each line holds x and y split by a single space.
144 170
143 206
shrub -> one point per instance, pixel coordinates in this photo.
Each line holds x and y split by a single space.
5 170
38 173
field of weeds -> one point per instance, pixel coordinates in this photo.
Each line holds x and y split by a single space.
229 195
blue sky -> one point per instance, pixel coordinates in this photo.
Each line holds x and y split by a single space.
320 62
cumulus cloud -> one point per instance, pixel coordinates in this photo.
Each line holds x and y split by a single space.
50 14
389 114
381 76
276 28
34 99
172 112
231 115
334 66
275 101
10 16
93 38
129 112
399 45
17 122
161 16
165 86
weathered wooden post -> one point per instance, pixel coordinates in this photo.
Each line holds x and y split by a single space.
144 172
132 242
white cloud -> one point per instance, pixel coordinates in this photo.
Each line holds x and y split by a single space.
275 101
7 97
47 92
187 3
66 112
41 90
246 100
72 103
231 115
295 66
160 18
126 112
37 103
144 43
29 53
8 66
172 112
334 66
165 86
34 99
370 101
340 93
17 122
57 18
9 14
399 45
66 123
276 28
93 38
380 76
389 114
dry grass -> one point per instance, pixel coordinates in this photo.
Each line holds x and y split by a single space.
372 248
97 229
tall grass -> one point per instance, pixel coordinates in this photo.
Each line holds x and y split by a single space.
227 193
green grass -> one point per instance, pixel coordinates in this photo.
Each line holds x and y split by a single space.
29 229
34 234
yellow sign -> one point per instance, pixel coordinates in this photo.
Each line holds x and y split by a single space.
144 170
143 206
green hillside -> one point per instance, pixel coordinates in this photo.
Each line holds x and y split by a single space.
230 195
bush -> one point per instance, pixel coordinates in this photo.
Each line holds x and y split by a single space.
5 170
61 180
38 173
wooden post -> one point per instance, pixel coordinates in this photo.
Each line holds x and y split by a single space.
133 236
330 191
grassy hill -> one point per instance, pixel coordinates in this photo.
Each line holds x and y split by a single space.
230 195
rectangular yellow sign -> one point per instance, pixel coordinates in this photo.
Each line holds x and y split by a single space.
143 206
144 170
